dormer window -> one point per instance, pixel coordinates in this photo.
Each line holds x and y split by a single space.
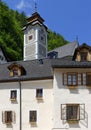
16 70
83 56
82 53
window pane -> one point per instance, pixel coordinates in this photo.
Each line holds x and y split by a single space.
83 56
13 94
39 93
72 79
33 116
30 37
72 112
8 116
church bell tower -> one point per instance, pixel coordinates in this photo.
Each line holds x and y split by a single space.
35 38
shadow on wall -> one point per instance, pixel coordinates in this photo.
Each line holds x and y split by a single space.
85 121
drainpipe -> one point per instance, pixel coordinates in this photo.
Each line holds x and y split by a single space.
20 105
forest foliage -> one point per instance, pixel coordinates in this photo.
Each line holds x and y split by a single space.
11 35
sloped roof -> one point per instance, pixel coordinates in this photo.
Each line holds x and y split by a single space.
42 68
66 50
34 70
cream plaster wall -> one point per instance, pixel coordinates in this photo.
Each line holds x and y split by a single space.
64 95
43 107
7 105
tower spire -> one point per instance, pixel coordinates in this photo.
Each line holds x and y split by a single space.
35 7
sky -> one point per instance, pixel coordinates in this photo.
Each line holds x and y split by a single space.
70 18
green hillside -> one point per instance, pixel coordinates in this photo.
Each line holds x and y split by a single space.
11 36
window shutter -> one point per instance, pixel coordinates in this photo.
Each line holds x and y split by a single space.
3 117
64 79
82 111
63 112
13 117
84 78
88 79
35 116
79 79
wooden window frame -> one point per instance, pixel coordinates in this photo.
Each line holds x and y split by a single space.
79 116
66 80
79 81
8 117
72 79
70 108
32 116
83 56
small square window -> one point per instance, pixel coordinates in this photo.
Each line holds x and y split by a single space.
13 95
39 93
30 37
32 116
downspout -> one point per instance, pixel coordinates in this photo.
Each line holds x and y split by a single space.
20 105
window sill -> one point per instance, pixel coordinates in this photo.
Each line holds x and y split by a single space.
8 123
72 121
39 98
72 86
13 99
33 123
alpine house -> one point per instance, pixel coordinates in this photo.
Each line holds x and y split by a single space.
47 90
